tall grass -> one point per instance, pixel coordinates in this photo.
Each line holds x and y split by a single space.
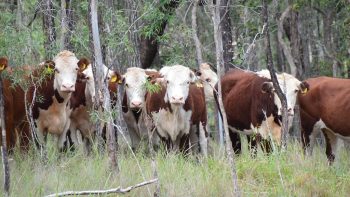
288 173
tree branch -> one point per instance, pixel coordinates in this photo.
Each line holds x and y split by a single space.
118 190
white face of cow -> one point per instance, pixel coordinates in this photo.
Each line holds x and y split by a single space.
66 70
89 77
177 79
290 87
209 79
135 79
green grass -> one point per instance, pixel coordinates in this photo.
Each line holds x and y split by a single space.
289 173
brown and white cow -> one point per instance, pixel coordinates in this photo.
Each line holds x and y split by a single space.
208 78
50 112
133 104
325 108
252 105
81 102
14 110
177 108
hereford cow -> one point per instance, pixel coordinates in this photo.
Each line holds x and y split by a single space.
81 102
14 110
133 103
50 110
325 108
177 108
208 78
252 106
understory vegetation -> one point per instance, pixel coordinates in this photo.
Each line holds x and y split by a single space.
287 173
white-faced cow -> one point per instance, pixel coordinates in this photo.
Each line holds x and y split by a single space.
208 78
178 108
252 105
133 104
81 101
50 110
326 108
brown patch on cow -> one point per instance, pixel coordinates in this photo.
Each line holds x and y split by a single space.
78 96
83 64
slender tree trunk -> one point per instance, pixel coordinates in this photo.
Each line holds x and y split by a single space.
66 25
220 71
270 66
101 84
49 29
134 59
19 14
225 25
5 162
197 42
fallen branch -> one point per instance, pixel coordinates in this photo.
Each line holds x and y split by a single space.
99 192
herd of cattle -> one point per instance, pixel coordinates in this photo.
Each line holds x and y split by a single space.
61 94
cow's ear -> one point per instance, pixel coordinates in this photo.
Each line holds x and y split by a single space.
83 64
304 87
197 72
3 63
115 77
267 87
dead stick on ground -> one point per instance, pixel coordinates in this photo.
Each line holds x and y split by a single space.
118 190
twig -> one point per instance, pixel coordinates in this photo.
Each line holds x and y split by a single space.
100 192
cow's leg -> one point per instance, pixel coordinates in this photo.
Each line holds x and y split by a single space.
236 142
331 144
183 143
203 139
252 143
194 139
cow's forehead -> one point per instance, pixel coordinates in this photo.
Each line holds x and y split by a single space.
284 79
66 59
176 73
135 75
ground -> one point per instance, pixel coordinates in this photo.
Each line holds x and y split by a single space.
289 173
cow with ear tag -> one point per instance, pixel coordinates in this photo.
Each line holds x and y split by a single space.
51 112
133 104
81 102
208 78
254 94
178 107
14 109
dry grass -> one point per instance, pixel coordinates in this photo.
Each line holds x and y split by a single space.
281 174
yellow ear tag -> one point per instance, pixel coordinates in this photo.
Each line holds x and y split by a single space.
199 85
114 79
2 67
49 70
304 91
120 81
83 67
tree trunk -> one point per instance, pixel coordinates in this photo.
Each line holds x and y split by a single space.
101 84
49 29
197 42
134 59
149 45
226 34
66 24
3 145
270 66
220 71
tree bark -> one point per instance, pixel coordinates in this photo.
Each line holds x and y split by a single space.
226 34
216 17
49 29
134 59
270 66
149 45
66 25
101 84
197 42
5 162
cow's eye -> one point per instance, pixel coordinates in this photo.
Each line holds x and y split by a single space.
76 68
188 82
208 80
296 91
167 81
56 70
126 85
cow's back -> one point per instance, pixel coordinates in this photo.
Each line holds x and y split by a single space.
328 99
